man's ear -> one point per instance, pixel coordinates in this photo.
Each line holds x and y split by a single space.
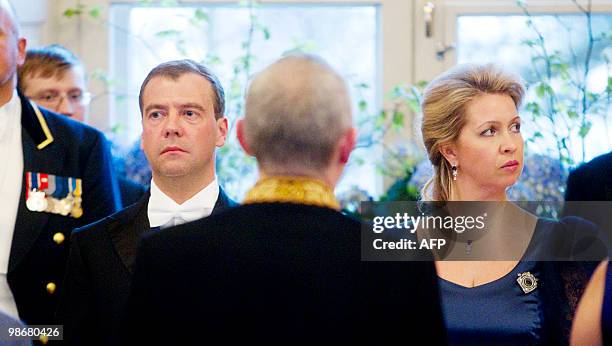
21 50
449 151
222 131
241 138
347 144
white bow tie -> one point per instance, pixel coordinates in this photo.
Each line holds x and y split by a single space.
176 216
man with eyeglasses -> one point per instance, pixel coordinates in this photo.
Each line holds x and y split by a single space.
55 176
54 78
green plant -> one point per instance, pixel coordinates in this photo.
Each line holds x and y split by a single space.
564 99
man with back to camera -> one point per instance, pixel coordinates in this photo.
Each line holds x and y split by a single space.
54 78
182 106
286 265
56 175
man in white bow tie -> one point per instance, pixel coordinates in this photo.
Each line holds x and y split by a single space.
182 107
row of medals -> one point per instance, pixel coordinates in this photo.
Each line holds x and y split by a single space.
38 201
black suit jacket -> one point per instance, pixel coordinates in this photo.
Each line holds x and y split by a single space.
591 181
278 272
99 272
130 191
589 194
57 145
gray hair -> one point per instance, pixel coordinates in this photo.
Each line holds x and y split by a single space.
9 10
296 111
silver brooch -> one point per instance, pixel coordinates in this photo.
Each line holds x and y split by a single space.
527 281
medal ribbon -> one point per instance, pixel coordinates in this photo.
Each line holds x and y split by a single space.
43 180
71 186
60 188
78 191
28 184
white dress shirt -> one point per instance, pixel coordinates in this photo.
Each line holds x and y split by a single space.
11 178
164 212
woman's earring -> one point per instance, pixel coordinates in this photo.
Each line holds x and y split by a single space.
454 169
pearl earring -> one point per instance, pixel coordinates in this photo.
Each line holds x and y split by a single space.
454 169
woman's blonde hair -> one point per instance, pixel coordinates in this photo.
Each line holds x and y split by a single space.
444 103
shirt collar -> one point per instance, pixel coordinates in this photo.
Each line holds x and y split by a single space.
163 211
10 115
288 189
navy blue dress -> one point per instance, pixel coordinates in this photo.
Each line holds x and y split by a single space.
500 312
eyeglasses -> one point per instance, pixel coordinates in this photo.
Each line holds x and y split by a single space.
55 98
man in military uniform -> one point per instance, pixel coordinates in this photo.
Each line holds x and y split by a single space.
182 106
55 176
286 266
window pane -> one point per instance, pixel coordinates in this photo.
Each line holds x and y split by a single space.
346 36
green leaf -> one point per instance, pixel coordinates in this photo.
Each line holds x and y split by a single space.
529 43
398 120
422 84
609 87
200 15
73 11
414 105
95 11
572 114
362 86
533 108
359 161
167 33
118 128
562 69
363 105
212 59
380 119
542 89
584 129
566 160
538 134
397 92
592 97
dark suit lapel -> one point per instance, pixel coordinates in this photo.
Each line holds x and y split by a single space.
125 233
42 155
223 202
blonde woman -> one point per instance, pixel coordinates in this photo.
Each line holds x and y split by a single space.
472 133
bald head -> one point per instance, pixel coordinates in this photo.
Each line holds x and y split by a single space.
7 12
296 112
12 51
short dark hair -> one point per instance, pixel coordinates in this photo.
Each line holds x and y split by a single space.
176 68
47 61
